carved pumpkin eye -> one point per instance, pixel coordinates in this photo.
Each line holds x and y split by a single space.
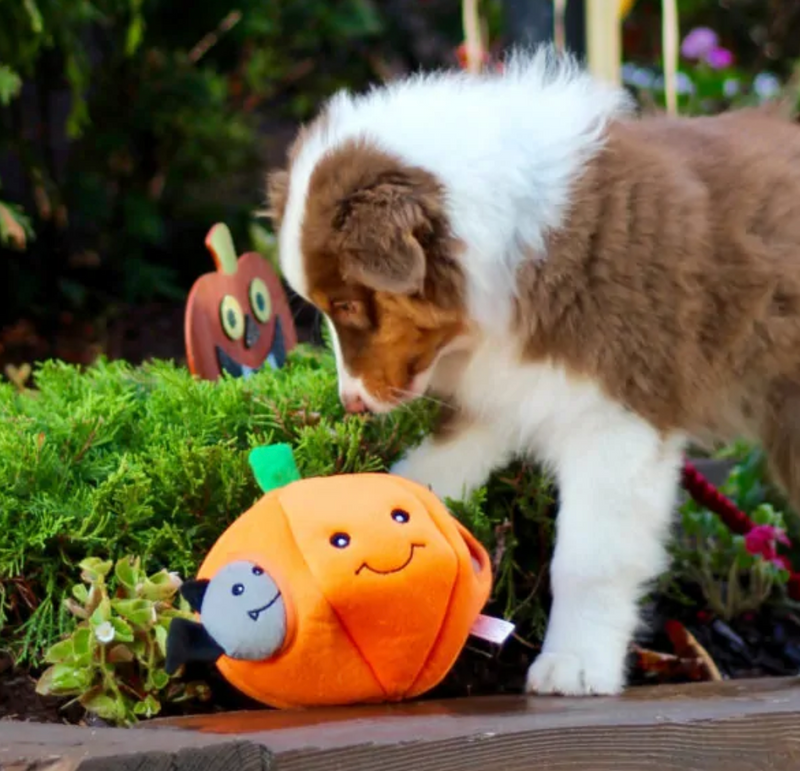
260 301
231 316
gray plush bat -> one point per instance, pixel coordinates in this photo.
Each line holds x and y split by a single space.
242 616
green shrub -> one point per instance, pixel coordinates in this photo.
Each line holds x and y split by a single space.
147 461
118 461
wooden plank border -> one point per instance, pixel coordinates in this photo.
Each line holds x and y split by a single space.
730 726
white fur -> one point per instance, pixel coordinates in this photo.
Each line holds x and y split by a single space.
507 148
617 479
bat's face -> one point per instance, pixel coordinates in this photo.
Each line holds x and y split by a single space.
242 616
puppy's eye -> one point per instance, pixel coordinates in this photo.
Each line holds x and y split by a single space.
237 590
400 516
340 540
257 571
350 313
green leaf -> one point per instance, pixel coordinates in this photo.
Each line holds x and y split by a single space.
61 652
106 707
159 587
148 707
122 630
134 35
34 15
101 614
64 680
94 568
141 613
80 593
160 679
10 85
127 572
161 639
83 642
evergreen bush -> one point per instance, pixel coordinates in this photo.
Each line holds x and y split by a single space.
118 461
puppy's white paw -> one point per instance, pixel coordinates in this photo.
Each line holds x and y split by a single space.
437 469
420 468
571 674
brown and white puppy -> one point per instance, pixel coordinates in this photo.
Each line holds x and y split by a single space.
585 287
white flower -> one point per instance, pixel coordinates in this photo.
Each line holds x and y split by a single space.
175 579
637 76
683 83
766 85
104 632
730 87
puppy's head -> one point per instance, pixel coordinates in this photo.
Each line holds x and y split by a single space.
366 239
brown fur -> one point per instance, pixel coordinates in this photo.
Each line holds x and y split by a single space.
381 262
675 281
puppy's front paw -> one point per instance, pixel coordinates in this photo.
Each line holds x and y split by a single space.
428 466
572 674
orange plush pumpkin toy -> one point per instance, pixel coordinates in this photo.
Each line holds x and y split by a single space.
237 318
334 590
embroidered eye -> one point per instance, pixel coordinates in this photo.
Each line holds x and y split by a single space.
398 515
340 540
257 571
237 590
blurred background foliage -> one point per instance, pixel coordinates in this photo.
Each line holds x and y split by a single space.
128 127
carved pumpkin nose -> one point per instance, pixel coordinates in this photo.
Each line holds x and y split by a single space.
251 331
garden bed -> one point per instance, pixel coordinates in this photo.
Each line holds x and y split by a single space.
118 460
730 726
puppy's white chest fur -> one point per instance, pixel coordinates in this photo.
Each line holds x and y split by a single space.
536 407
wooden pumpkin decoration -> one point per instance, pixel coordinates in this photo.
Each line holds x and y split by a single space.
335 590
237 318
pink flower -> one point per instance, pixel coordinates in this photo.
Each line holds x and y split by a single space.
781 561
719 58
699 43
761 541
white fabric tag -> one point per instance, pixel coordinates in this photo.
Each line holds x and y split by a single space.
494 630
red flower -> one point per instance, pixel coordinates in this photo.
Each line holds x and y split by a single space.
762 540
461 55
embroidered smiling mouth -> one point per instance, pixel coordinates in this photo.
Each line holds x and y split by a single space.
393 570
276 357
254 614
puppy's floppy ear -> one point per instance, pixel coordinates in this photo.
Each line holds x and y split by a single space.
380 227
277 195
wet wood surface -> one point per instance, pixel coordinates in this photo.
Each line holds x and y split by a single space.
730 726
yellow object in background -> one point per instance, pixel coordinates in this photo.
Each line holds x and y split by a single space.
624 8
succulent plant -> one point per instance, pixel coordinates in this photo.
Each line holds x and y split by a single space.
113 660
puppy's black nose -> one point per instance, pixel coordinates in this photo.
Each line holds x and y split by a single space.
354 404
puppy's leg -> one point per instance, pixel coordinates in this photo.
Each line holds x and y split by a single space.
457 459
617 484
